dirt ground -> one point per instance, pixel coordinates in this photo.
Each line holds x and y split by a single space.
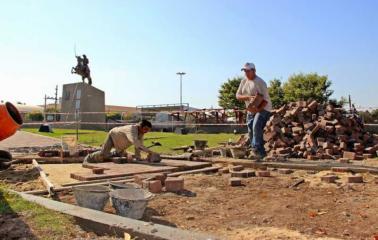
21 177
265 208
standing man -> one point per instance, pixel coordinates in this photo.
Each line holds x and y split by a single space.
121 138
250 87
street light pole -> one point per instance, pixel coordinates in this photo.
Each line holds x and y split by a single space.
181 74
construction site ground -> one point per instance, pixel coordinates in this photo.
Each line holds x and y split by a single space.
263 208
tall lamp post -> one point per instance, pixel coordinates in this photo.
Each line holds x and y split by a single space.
181 74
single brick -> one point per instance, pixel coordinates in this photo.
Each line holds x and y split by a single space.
355 179
329 151
327 145
243 174
329 178
340 169
234 182
349 155
224 170
263 173
262 167
155 186
138 179
285 171
344 160
236 168
98 170
161 177
174 184
312 157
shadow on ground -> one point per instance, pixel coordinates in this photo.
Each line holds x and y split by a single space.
11 224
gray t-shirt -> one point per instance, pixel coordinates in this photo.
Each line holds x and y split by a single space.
252 87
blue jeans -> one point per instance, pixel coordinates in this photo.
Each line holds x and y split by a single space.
256 123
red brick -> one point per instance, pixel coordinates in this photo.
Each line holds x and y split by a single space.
349 155
370 150
285 171
312 157
355 179
243 174
138 179
329 151
224 170
283 150
329 178
368 155
340 169
313 105
153 186
98 170
236 168
308 125
298 130
160 176
344 160
174 184
234 182
327 145
263 173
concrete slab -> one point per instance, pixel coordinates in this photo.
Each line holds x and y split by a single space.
26 139
102 223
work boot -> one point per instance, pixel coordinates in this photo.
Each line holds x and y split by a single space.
254 155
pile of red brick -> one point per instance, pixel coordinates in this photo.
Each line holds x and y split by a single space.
307 129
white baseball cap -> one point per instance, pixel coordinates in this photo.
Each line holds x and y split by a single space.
248 66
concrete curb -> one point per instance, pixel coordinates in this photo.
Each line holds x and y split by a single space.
105 223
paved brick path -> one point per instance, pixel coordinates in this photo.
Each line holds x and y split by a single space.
26 139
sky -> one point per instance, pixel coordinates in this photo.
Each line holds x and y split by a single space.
136 47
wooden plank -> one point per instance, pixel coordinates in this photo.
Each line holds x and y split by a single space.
69 188
303 165
49 186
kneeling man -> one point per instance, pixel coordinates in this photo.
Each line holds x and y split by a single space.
121 138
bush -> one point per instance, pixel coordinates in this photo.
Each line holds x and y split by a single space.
35 116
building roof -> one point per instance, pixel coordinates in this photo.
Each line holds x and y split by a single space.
114 108
28 108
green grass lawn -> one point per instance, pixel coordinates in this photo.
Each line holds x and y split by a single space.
168 140
37 220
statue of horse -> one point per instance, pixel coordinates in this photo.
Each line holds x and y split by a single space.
82 69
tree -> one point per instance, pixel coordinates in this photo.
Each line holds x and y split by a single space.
276 93
374 114
307 86
366 116
113 116
227 94
35 116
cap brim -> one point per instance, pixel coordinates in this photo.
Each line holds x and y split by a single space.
243 69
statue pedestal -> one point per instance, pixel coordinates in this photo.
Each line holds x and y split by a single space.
87 101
